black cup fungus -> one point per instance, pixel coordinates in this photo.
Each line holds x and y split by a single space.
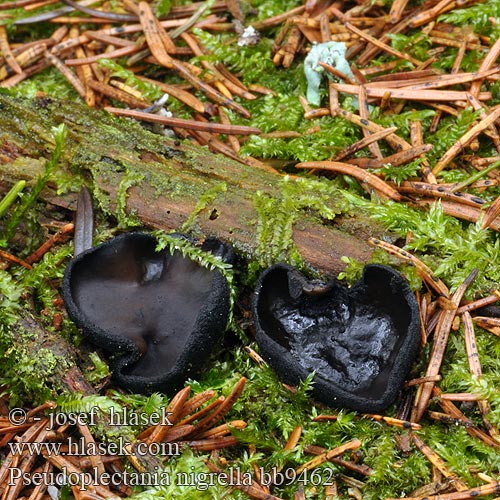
359 341
159 314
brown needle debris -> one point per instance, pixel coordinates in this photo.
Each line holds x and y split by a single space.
438 318
366 31
440 312
96 468
133 31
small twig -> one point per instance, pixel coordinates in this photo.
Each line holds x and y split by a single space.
115 54
480 491
41 487
7 52
203 411
459 211
438 348
356 146
223 429
189 23
431 82
294 438
393 140
491 213
278 19
222 409
447 419
417 140
156 37
365 177
393 160
209 444
218 128
471 428
477 304
59 237
25 58
381 45
433 281
412 95
109 16
439 191
172 433
395 422
461 143
16 4
95 459
421 380
490 324
67 73
64 464
492 131
286 53
439 463
397 9
432 13
173 410
460 396
195 402
15 260
337 73
489 59
118 94
364 113
327 455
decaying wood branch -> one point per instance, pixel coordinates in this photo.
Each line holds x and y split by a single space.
161 180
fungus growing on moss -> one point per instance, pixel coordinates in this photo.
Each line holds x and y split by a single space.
359 341
159 314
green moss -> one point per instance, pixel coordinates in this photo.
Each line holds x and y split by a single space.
476 16
10 294
277 216
49 82
75 403
205 259
450 247
416 44
98 371
129 179
205 199
28 378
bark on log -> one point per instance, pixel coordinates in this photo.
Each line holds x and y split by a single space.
163 180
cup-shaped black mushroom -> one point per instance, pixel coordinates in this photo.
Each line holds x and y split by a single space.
158 313
360 342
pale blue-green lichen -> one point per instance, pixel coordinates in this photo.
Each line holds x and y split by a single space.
331 53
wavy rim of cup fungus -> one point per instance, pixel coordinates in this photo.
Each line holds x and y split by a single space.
374 326
158 314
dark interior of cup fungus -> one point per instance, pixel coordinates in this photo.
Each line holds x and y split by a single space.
359 341
159 314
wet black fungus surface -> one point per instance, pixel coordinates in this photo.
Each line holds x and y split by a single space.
359 341
158 314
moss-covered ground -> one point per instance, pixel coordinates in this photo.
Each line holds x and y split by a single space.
450 247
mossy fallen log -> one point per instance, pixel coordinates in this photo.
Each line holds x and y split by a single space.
138 175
